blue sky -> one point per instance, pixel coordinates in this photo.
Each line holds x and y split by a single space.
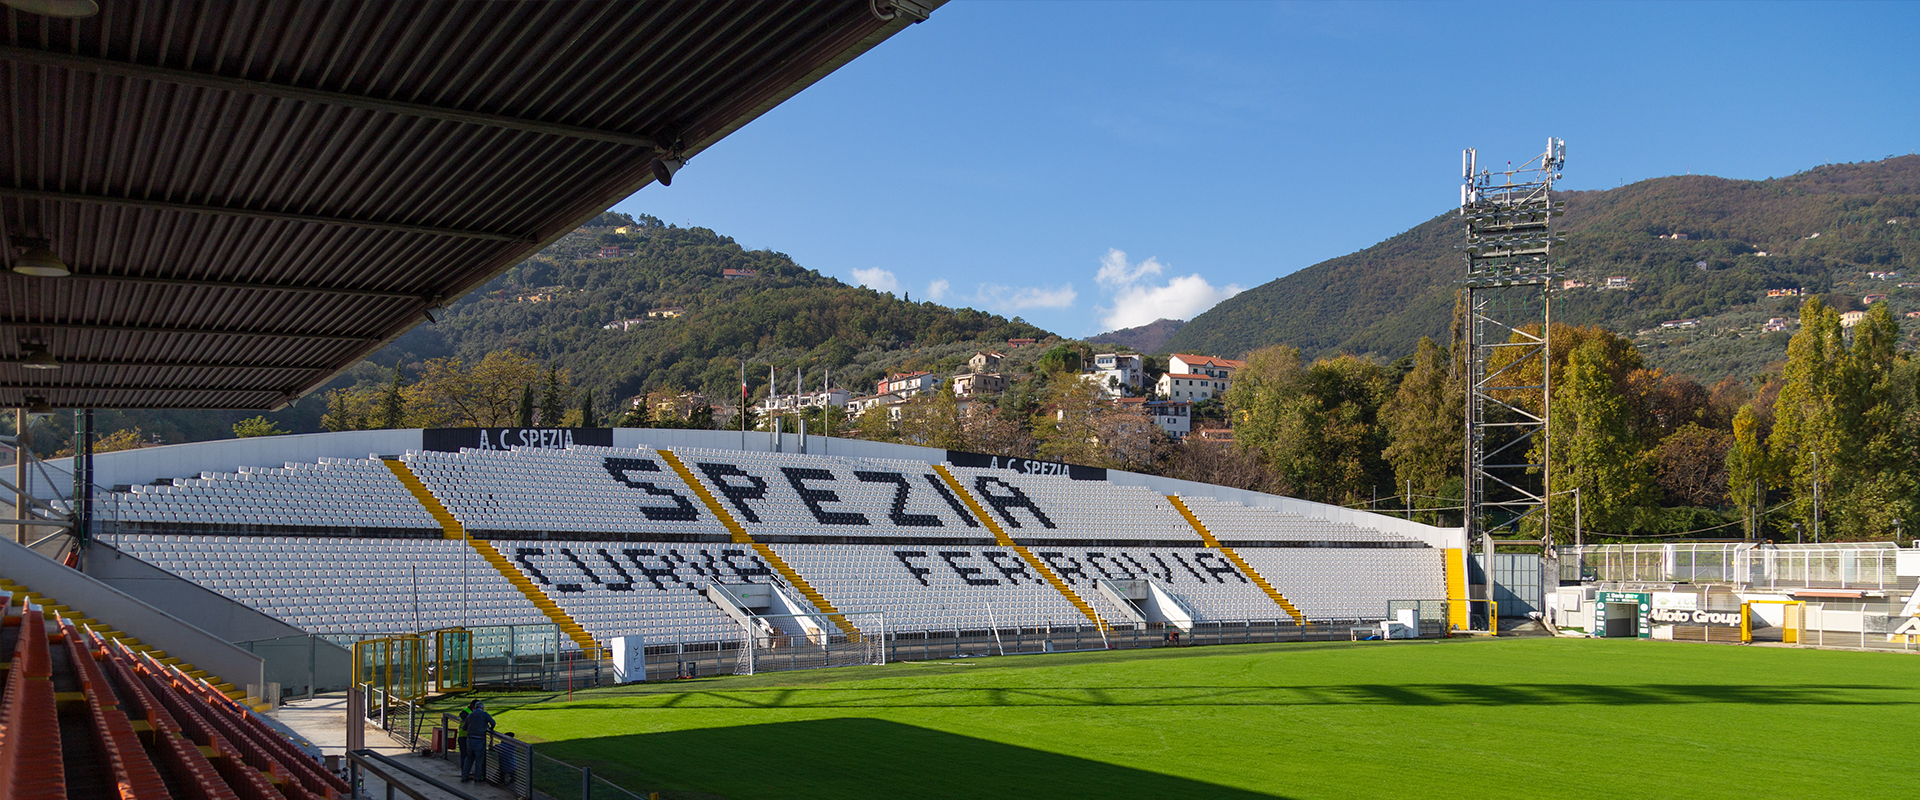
1090 165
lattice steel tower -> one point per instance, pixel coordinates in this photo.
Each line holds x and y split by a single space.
1508 294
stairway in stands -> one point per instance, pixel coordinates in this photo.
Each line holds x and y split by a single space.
21 595
1000 536
740 536
452 529
1245 568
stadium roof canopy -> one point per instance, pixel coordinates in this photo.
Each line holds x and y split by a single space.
253 196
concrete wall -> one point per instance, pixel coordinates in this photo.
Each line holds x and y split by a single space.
292 658
150 464
92 598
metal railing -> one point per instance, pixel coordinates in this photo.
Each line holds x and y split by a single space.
513 764
1851 565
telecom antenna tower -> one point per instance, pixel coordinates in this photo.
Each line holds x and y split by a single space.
1508 291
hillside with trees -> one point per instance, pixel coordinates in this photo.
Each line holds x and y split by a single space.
1693 247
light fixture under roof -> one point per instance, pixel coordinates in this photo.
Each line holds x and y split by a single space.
64 9
38 405
38 259
35 356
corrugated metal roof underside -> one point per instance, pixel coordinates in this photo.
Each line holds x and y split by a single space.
253 196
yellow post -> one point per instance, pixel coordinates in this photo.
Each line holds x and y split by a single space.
1456 576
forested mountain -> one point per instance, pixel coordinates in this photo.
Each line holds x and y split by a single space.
1145 338
558 306
1823 229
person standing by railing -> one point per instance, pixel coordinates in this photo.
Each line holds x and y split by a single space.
473 756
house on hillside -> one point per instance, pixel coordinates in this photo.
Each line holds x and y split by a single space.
670 312
623 324
1619 282
1015 344
1116 373
732 274
1680 323
1872 298
789 403
1210 366
1794 292
1173 416
907 384
986 361
979 384
1775 324
859 406
1189 386
1881 276
1573 283
613 251
1852 318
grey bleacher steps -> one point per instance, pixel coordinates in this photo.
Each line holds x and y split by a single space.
314 531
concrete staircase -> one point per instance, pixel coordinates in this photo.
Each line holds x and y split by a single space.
740 536
1000 536
452 529
1245 568
49 605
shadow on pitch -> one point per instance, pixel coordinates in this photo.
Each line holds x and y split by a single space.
1425 694
854 759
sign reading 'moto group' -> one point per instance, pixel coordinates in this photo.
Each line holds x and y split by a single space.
1711 619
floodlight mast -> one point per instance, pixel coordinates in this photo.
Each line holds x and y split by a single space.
1508 296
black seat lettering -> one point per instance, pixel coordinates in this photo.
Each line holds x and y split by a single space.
967 574
1014 569
680 511
919 573
813 498
899 513
737 494
1005 503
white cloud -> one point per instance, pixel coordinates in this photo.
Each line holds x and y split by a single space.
1011 299
937 290
1115 273
1136 303
877 279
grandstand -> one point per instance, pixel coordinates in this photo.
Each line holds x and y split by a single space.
662 535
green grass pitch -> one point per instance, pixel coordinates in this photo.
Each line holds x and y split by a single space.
1534 718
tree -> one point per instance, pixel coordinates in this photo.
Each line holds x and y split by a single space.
1806 441
1690 466
1425 423
451 393
932 420
523 416
1595 450
1748 470
639 414
554 389
589 416
256 426
347 410
1224 464
393 404
1317 425
122 439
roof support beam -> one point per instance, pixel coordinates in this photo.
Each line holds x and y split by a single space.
254 366
119 387
277 216
218 82
196 283
161 329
